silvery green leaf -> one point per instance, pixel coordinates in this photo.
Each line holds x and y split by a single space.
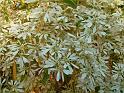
102 22
47 18
73 57
70 68
71 35
77 48
66 65
102 33
60 18
20 62
59 55
56 9
52 69
22 35
88 52
57 27
49 64
25 60
89 39
116 51
15 53
44 50
35 13
110 45
89 24
94 29
67 72
30 1
12 57
75 66
63 49
84 75
37 10
62 76
58 77
115 76
103 74
117 14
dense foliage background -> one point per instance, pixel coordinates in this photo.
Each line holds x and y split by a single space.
61 46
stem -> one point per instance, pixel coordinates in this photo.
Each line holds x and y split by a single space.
14 70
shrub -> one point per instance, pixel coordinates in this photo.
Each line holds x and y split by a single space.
60 46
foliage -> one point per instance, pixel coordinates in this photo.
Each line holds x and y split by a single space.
62 46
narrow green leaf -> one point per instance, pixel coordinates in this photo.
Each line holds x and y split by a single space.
72 3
